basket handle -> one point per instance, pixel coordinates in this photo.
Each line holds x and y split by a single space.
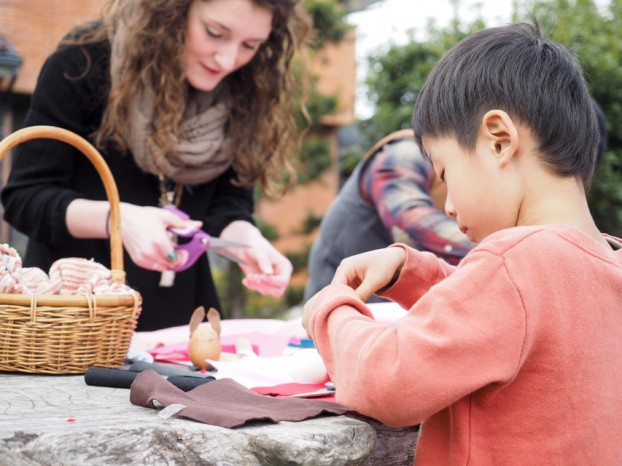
112 193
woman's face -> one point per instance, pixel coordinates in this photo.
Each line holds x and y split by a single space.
222 36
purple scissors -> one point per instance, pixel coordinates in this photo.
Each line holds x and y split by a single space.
201 242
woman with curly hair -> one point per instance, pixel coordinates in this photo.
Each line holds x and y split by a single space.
191 104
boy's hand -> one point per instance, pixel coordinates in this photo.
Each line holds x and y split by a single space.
371 271
307 310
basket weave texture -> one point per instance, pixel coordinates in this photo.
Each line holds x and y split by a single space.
67 334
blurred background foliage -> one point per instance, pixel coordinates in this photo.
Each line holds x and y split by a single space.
593 33
315 157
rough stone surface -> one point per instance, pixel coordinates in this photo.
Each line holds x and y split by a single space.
62 421
394 446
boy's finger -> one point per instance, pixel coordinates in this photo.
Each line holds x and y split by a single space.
363 291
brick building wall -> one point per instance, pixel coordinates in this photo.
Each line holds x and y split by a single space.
34 28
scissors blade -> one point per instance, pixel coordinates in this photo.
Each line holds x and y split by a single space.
223 252
201 242
222 247
223 243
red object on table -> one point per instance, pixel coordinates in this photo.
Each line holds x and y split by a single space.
288 389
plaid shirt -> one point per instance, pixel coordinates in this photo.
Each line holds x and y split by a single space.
397 180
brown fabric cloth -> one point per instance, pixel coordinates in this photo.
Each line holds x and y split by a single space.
226 403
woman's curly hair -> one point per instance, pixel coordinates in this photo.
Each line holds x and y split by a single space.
261 125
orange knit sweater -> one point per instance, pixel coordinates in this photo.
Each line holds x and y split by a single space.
512 357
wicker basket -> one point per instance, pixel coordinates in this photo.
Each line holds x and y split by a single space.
58 334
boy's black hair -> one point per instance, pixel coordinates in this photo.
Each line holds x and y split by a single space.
512 68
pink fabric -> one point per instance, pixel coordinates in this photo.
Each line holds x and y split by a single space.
37 281
10 268
269 336
74 276
512 357
176 352
67 276
288 389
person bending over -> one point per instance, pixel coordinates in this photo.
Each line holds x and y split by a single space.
393 195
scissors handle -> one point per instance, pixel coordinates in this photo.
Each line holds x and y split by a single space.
200 242
194 248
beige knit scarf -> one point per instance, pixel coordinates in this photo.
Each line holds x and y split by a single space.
201 152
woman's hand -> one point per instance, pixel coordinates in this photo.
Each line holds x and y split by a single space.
371 271
145 235
143 230
268 271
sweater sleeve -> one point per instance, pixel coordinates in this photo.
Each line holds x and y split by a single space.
453 341
38 190
421 270
230 203
397 181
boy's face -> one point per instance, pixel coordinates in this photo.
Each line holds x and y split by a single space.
480 196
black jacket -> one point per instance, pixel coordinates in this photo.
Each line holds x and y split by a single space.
47 175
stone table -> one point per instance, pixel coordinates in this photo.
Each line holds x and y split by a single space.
60 420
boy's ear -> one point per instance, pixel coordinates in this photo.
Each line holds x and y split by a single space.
501 134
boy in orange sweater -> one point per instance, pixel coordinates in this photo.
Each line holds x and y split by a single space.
513 356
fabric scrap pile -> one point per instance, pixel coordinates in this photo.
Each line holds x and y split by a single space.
67 276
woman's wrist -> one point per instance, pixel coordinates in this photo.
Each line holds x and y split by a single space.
241 230
88 219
